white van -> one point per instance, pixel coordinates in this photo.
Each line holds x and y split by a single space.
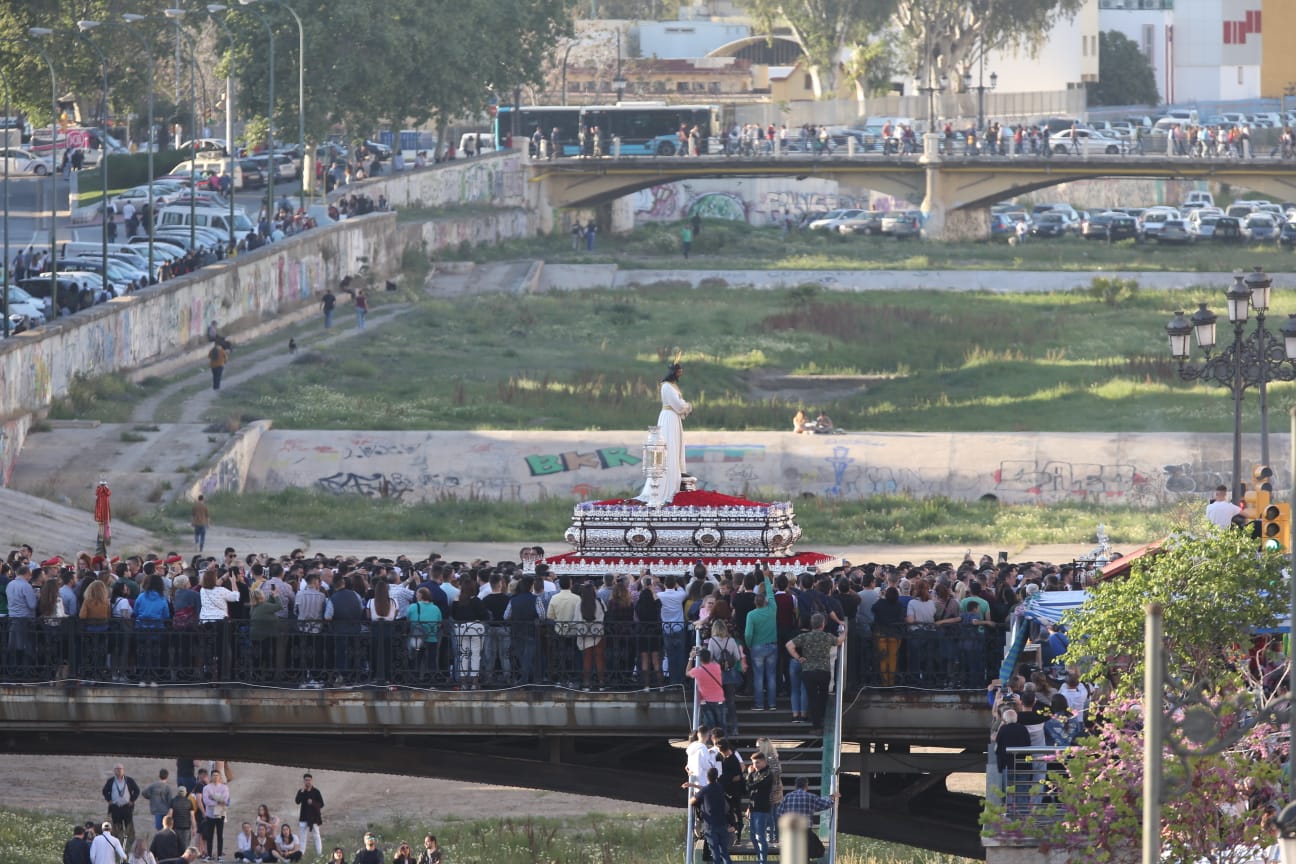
1199 198
215 218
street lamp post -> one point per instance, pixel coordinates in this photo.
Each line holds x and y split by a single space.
1252 360
131 18
619 82
84 27
980 89
39 33
270 175
177 15
931 90
214 9
301 84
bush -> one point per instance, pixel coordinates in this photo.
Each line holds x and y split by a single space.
126 170
1113 291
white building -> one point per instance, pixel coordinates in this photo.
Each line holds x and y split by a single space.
1200 50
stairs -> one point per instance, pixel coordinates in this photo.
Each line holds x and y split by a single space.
801 754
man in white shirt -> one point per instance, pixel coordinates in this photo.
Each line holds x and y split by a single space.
106 849
1221 511
674 627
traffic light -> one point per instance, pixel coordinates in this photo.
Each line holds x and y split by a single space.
1276 527
1255 498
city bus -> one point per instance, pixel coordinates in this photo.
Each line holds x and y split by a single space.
547 117
652 128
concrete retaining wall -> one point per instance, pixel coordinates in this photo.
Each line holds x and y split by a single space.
496 180
228 470
259 287
12 435
1018 468
130 331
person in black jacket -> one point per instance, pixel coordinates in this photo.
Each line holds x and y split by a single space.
121 793
76 850
1016 782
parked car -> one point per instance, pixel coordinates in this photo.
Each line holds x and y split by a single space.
73 295
26 162
833 218
22 303
1175 231
1228 229
1154 219
253 176
1287 236
902 223
867 222
284 167
1002 226
1204 227
1260 228
1051 223
1111 226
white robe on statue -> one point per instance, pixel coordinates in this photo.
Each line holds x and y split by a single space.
671 420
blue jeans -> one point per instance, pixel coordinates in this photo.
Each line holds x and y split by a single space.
360 318
675 637
711 714
764 672
800 704
718 840
200 540
328 318
760 836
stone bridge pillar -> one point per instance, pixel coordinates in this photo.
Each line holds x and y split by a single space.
935 202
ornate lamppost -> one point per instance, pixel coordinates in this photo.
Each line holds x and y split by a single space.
1251 360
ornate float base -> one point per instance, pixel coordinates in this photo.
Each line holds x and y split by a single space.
720 531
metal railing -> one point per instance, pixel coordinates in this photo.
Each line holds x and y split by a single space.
1027 789
610 655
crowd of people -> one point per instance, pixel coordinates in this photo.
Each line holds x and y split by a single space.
317 621
189 820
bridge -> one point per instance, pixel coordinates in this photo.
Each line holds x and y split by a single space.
67 689
944 184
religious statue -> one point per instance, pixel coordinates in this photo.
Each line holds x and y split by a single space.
671 422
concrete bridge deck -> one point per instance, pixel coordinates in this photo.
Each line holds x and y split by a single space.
616 745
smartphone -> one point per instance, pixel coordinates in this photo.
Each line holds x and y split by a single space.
1003 557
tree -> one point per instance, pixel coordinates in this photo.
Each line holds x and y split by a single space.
1215 590
947 36
1211 812
1125 76
824 30
1223 700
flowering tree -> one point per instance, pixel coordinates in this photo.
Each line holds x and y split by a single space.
1225 712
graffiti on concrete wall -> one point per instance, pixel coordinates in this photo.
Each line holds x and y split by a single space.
759 203
555 463
1058 480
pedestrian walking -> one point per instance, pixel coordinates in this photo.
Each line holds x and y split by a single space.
686 236
362 308
200 518
696 222
327 302
217 357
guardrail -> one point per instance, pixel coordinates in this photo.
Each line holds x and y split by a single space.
466 654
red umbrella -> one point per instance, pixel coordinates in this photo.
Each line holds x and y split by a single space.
103 516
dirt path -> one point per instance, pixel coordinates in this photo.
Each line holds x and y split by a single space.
69 786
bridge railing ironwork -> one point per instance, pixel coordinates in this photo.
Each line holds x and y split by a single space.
452 655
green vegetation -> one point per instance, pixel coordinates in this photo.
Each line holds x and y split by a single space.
877 361
106 398
881 519
597 838
724 245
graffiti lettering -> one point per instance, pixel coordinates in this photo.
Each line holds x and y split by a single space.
369 485
602 459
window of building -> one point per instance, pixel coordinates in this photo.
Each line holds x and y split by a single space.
808 84
659 86
681 86
714 87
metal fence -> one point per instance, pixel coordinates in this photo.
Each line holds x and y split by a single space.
613 655
1027 789
958 108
